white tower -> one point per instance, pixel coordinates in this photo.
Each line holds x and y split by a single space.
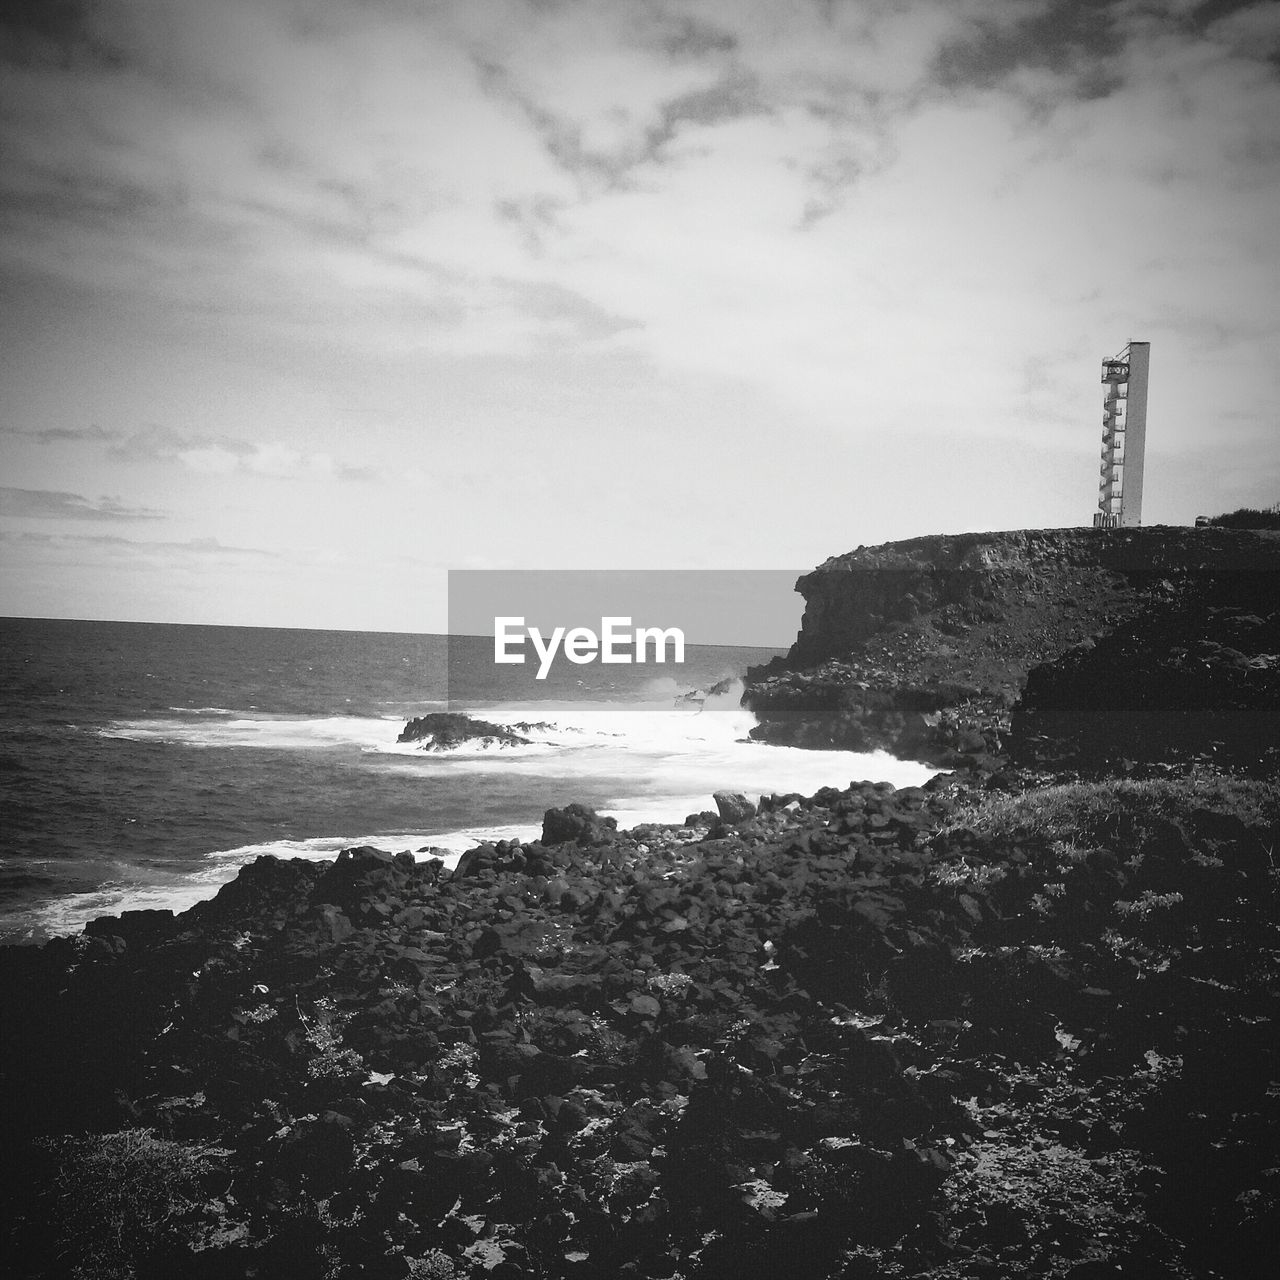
1124 438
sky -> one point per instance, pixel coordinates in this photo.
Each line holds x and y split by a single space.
303 305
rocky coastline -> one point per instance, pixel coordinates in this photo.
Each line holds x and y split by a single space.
1020 1021
924 648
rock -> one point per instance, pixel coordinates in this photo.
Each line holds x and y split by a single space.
137 928
268 887
318 1151
474 861
734 807
443 730
704 819
336 926
577 824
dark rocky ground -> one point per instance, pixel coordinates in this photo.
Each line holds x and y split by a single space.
1019 1022
940 1032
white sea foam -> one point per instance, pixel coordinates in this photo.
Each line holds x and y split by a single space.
138 889
666 757
539 743
236 729
668 760
71 913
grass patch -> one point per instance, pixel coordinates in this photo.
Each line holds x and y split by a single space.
121 1195
1073 814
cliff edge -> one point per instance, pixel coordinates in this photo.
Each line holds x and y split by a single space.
958 649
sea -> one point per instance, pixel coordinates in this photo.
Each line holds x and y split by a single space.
143 764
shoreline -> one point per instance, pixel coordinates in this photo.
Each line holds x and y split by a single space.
675 731
1018 1020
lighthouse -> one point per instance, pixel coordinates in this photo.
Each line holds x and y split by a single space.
1124 438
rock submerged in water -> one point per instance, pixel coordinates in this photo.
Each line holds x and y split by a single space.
443 730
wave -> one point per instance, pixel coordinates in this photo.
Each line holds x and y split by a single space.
448 846
661 762
663 713
653 756
237 729
130 888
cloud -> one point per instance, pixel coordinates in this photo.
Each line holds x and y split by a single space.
798 196
1250 29
617 113
1072 38
62 545
31 556
207 454
49 504
56 33
682 35
347 181
228 455
271 460
56 435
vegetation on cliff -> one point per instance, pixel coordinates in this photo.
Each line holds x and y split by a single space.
1248 518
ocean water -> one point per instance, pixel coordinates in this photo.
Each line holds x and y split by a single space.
142 764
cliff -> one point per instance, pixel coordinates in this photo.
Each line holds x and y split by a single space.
925 647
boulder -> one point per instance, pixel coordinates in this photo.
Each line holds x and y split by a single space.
442 730
577 824
734 807
137 928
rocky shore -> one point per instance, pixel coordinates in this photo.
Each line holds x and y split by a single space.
1021 1021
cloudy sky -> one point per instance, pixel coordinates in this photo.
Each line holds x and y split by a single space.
305 303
